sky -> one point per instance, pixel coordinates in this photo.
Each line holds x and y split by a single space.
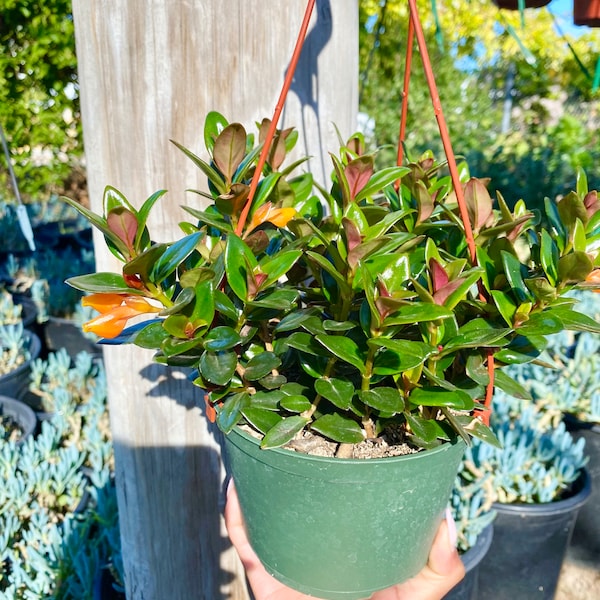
563 11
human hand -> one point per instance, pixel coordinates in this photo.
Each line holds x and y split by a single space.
442 572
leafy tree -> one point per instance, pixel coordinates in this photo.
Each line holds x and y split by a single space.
482 57
39 103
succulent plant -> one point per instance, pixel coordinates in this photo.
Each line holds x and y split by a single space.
537 463
51 543
14 347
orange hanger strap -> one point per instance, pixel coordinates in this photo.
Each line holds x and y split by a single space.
439 115
278 108
404 113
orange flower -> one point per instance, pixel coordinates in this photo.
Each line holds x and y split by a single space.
594 279
115 310
269 213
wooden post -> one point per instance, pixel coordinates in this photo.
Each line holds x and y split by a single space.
149 71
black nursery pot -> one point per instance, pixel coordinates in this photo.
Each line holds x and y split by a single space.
468 588
19 413
585 544
530 542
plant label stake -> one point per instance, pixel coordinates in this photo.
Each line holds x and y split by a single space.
22 215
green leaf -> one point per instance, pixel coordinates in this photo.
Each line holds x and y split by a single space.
218 367
418 312
229 414
261 365
331 270
174 255
574 267
238 260
432 396
221 338
272 382
576 321
295 404
214 123
213 175
265 189
477 429
475 334
345 349
293 320
542 323
102 283
284 432
505 305
402 356
113 199
522 349
515 271
278 265
261 418
305 343
381 179
280 299
384 399
424 429
144 213
143 263
267 400
152 336
507 384
549 257
338 391
225 306
339 429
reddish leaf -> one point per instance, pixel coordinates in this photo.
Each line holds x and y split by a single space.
229 150
479 203
358 172
591 203
123 223
439 277
353 237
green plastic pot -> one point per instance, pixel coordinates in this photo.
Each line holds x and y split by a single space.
341 528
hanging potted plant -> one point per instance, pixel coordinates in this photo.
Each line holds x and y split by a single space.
355 329
519 4
343 338
586 12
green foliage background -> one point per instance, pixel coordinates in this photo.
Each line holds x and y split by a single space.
472 49
39 100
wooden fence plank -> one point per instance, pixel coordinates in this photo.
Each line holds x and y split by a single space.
149 71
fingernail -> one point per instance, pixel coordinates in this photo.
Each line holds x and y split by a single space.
452 535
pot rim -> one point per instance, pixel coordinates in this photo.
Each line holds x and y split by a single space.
475 554
573 421
574 502
328 460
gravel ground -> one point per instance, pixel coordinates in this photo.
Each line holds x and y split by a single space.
579 580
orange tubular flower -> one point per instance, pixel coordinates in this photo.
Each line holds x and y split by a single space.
594 279
115 310
269 213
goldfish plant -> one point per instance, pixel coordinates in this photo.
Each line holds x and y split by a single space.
346 310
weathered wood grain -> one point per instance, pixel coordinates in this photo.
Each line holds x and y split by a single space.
149 71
